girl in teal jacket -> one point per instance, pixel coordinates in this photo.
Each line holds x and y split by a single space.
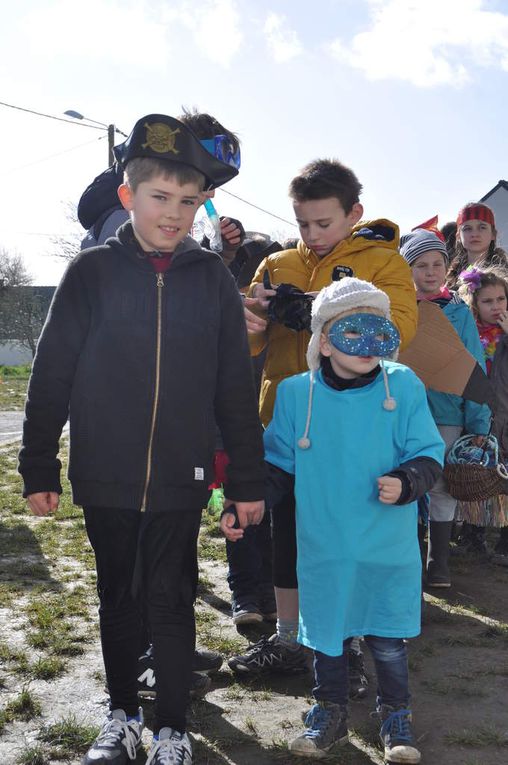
428 258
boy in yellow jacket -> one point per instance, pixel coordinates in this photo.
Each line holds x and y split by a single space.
333 244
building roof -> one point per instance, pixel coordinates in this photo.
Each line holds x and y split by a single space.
499 185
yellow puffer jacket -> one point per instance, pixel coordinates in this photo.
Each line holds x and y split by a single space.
374 260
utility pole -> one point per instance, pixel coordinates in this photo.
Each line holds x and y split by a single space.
111 143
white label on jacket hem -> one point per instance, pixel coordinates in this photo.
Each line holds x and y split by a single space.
199 474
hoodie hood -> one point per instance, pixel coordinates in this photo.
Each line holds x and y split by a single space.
379 233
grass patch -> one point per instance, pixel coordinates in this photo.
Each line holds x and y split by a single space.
458 690
20 371
33 755
477 737
47 668
212 549
68 737
14 658
12 393
24 707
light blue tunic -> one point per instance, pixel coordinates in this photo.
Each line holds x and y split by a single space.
359 566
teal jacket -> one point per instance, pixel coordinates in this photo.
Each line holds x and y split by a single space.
446 408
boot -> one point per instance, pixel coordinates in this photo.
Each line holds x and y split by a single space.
478 542
500 555
358 680
438 573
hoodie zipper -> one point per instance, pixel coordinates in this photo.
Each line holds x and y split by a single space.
160 285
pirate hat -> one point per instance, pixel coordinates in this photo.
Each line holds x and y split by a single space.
162 137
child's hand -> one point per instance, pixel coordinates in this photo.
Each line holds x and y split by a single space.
249 513
226 524
43 502
390 489
263 295
254 322
231 234
503 322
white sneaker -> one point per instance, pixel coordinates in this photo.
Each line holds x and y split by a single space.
118 740
172 748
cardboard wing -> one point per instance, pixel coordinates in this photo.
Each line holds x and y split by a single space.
440 359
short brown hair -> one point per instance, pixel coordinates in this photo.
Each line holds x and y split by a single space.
325 178
141 169
206 126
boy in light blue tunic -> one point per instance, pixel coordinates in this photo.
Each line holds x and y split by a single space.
356 435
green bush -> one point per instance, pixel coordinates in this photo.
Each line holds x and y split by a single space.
22 371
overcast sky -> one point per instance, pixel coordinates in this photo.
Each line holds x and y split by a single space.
410 93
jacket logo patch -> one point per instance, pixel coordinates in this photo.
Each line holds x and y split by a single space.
339 272
199 474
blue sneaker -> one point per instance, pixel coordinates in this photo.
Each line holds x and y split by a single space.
326 726
397 736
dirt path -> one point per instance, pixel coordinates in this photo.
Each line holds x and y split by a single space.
459 666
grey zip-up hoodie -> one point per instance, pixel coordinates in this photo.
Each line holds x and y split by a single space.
144 365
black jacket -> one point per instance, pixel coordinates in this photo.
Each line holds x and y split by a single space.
140 438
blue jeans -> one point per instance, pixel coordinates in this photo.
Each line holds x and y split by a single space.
250 563
390 659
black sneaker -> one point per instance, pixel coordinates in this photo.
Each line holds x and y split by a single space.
397 737
358 680
206 661
118 741
326 726
270 655
171 748
245 612
147 686
203 661
268 607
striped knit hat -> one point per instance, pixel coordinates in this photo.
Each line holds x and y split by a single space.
476 211
418 243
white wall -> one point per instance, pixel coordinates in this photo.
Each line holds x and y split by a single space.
498 201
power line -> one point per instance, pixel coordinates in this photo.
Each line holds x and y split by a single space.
51 156
51 116
96 127
261 209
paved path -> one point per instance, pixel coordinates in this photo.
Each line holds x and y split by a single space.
11 424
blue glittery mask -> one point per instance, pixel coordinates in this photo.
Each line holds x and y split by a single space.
364 334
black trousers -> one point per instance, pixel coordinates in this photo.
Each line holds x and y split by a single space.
146 567
284 543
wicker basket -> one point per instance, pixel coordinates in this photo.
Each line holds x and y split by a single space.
471 482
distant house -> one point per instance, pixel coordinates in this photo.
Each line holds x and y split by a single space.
23 311
497 199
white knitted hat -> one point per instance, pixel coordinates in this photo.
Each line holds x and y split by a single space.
337 298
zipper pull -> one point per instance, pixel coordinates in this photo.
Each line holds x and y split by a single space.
160 280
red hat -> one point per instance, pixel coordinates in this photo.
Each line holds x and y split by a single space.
476 211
